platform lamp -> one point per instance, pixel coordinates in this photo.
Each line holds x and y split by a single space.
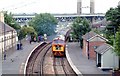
4 40
88 50
88 46
80 34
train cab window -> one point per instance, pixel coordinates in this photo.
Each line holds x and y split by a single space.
58 47
58 41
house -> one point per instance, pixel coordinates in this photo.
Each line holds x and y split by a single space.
106 57
91 41
8 35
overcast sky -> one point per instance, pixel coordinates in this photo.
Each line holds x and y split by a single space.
54 6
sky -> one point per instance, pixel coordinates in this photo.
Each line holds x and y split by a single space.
54 6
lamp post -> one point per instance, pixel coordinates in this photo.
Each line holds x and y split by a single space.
4 52
80 34
88 47
12 37
114 36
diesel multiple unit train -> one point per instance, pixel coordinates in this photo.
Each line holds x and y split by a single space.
58 46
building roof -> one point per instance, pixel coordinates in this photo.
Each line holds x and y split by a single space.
103 48
90 35
7 28
100 23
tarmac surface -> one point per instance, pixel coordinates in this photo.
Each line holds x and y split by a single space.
81 62
15 59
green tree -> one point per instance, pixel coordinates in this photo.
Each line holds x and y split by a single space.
80 27
113 16
117 45
26 31
44 23
10 21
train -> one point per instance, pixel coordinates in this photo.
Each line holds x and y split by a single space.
58 46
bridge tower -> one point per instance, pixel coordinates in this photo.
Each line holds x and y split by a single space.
119 3
79 6
92 6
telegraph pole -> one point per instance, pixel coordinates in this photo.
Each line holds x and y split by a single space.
114 36
88 46
4 52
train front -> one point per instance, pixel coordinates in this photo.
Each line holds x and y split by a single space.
58 47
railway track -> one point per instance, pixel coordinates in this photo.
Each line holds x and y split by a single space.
62 67
59 66
35 62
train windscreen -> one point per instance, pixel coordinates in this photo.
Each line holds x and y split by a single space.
58 41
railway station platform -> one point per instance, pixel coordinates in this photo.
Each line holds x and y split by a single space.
15 59
80 64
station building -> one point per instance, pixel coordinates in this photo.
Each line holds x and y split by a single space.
106 57
92 41
8 35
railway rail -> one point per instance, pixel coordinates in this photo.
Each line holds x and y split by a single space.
36 62
62 67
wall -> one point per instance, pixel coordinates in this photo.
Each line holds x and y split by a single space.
92 49
92 43
109 59
85 44
9 41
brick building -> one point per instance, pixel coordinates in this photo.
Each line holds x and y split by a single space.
91 41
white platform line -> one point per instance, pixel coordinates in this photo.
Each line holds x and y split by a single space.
29 57
72 65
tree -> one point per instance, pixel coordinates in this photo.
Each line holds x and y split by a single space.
26 31
10 21
80 27
113 16
44 23
117 45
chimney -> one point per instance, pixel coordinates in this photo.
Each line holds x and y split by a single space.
2 17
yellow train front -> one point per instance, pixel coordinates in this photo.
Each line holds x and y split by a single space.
58 47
